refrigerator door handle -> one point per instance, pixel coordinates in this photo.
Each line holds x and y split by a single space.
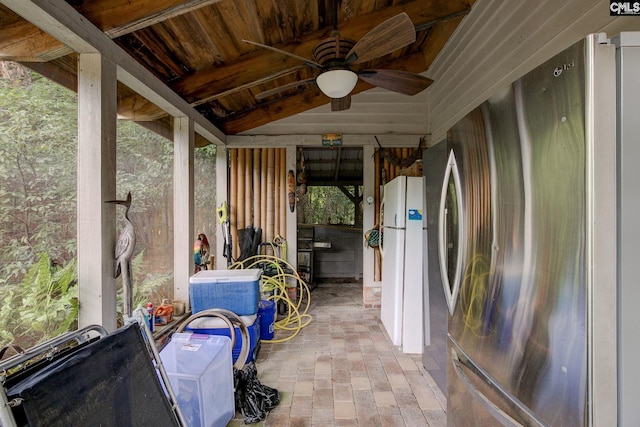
500 415
450 289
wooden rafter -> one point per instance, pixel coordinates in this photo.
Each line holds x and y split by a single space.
36 45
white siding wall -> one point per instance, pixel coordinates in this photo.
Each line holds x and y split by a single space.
499 41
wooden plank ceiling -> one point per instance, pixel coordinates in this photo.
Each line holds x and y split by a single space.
196 48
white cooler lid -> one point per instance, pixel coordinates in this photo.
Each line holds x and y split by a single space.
221 276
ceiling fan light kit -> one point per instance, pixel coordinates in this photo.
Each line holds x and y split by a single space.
337 83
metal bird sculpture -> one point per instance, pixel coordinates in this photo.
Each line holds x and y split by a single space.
124 252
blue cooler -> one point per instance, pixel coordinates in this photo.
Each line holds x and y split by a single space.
217 326
234 290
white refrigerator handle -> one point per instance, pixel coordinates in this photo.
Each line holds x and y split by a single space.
381 239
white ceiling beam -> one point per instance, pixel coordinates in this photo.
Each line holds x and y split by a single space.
368 128
62 21
350 140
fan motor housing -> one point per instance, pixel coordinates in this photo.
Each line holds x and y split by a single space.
332 50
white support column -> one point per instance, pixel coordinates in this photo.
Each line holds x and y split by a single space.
292 217
183 229
222 168
96 183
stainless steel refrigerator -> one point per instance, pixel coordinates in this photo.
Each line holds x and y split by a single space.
526 236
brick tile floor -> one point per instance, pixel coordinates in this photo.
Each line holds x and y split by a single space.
341 370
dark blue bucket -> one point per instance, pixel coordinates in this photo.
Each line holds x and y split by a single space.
267 313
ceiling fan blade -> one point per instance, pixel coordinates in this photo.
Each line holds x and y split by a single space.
392 34
277 90
341 104
308 62
397 81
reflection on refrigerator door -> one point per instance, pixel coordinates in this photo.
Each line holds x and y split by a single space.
517 348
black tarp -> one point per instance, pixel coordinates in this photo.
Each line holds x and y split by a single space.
253 399
248 242
109 382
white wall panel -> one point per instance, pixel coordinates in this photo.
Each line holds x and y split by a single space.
500 41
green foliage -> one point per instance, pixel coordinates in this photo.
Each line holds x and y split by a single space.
205 220
38 185
154 287
38 141
145 165
43 305
328 205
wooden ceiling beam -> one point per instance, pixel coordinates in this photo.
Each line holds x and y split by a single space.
55 73
132 16
438 36
207 84
139 109
307 99
22 41
117 17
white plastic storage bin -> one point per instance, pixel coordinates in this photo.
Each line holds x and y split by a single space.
234 290
201 375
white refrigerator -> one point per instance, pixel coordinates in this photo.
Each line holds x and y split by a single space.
402 213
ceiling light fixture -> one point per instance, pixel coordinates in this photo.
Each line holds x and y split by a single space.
337 83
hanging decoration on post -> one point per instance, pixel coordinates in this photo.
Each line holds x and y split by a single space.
291 189
403 162
372 237
332 140
301 179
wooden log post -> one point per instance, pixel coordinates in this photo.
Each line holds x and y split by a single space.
263 192
248 188
257 210
271 163
240 224
233 195
282 228
276 195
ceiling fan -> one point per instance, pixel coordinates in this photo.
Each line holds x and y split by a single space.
334 56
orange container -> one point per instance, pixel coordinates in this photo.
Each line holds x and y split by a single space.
164 313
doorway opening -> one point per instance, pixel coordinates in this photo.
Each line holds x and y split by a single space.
329 214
